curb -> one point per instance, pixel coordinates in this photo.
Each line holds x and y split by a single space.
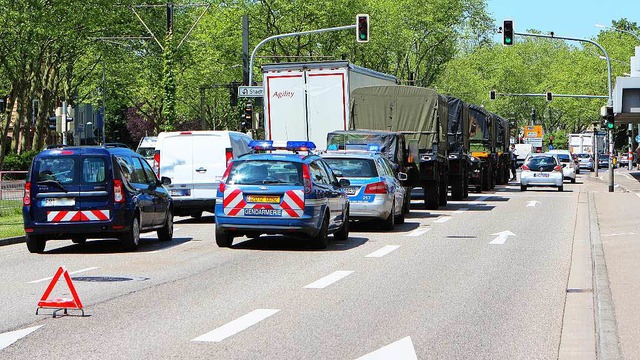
13 240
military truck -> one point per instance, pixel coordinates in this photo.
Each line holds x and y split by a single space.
482 145
459 157
421 114
502 148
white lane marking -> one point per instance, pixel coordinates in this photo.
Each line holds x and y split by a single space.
533 203
70 273
501 238
481 198
461 210
401 349
237 325
153 234
619 234
442 219
628 176
637 194
418 232
10 337
383 251
328 280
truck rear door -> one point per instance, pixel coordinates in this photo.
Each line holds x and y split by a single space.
285 110
327 103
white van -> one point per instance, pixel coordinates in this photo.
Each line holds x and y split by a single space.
522 151
147 146
195 162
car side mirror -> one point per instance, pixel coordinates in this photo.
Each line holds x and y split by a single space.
402 176
344 182
337 173
564 165
165 180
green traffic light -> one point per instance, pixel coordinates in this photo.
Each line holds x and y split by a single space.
363 36
507 40
609 125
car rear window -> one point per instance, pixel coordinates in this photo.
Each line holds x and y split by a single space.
584 156
564 157
256 172
364 168
70 169
542 163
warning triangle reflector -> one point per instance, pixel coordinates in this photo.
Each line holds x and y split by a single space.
60 303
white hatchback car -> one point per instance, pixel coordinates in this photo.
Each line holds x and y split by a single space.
541 169
569 166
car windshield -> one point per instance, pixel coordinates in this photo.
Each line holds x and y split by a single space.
254 172
541 163
603 157
564 157
364 168
147 153
584 156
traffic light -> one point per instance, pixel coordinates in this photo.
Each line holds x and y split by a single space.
247 117
233 93
3 104
53 120
362 28
549 96
507 32
609 119
492 95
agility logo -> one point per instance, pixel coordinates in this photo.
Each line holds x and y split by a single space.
77 215
292 205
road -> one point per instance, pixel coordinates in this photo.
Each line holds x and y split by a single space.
484 278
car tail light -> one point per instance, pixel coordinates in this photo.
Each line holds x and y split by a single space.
156 163
376 188
118 191
524 167
306 178
26 200
557 168
223 181
228 155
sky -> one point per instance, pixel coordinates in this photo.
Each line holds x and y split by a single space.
569 18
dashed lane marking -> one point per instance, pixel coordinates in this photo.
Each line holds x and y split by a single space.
328 280
418 232
442 219
237 325
70 273
383 251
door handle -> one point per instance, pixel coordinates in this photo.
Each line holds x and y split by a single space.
201 170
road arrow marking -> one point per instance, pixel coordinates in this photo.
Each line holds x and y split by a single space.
418 232
401 349
10 337
502 237
442 219
533 203
237 325
383 251
328 280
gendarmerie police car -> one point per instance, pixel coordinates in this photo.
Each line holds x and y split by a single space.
281 189
374 192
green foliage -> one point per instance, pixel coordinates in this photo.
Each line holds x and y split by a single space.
19 162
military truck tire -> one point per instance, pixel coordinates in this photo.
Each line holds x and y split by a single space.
431 194
485 181
457 188
466 185
443 190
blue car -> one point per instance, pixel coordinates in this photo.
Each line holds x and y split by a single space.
94 192
290 192
375 192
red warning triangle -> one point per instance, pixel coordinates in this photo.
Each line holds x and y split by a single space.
60 303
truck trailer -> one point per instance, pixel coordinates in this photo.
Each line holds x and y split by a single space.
306 101
459 156
482 143
421 114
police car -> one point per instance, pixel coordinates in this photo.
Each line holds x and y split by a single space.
290 192
374 192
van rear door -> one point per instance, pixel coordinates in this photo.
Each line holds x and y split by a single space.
175 163
209 163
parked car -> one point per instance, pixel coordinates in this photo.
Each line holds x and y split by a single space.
603 161
623 160
375 191
585 161
281 193
195 162
541 169
87 192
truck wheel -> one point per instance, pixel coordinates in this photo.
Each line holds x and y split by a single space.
223 238
443 191
465 187
431 194
35 243
486 181
457 188
493 176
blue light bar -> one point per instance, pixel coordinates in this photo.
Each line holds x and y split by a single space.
300 145
374 148
261 145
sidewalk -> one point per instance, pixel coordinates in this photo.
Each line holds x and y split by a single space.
618 218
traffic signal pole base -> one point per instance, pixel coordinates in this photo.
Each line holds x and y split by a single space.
610 188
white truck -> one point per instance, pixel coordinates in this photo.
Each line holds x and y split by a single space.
306 101
583 143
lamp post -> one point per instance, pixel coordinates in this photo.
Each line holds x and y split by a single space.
594 145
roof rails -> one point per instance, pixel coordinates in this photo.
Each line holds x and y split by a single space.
116 145
56 146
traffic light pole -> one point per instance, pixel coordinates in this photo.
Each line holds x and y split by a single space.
609 99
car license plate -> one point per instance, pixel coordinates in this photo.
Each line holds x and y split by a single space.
180 192
58 202
263 199
545 175
351 190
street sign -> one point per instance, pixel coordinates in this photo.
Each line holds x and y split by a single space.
250 91
536 142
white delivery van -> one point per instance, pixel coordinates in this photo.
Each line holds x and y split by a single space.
147 146
522 151
195 162
306 101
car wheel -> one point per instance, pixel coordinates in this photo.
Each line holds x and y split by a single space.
166 232
131 239
196 215
343 233
35 243
223 238
406 208
561 188
390 222
573 180
79 239
321 239
523 187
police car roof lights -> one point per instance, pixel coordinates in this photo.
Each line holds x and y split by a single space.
301 145
269 145
261 145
